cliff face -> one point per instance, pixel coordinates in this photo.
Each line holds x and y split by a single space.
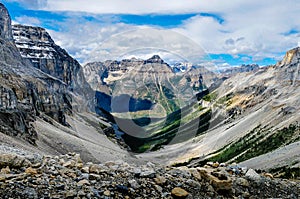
95 73
5 23
27 93
36 46
289 68
291 57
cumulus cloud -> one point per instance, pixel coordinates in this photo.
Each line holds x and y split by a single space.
151 40
91 42
138 6
80 38
26 20
258 29
254 29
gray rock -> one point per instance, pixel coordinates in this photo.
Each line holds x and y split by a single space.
5 23
242 182
137 171
180 173
148 173
94 177
70 194
134 184
193 183
251 174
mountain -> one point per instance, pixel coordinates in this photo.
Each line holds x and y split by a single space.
36 46
241 69
260 126
202 148
46 105
147 99
152 79
232 106
26 92
95 73
5 23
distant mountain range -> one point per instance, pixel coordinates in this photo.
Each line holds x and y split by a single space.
241 69
152 79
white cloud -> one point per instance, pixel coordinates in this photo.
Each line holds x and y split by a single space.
13 22
80 38
90 41
26 20
138 6
145 40
254 28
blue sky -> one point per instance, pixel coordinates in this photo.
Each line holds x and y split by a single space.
230 33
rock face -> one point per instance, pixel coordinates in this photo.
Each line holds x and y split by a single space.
289 68
27 93
95 73
291 57
36 45
5 23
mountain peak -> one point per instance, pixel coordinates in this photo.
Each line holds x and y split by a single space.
291 56
32 33
5 23
155 59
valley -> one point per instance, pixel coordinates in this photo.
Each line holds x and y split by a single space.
107 125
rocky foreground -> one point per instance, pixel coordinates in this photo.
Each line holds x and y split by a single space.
66 176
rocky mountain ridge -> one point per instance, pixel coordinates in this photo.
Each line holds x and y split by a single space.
46 106
25 92
36 46
241 69
150 79
5 23
260 109
291 57
109 69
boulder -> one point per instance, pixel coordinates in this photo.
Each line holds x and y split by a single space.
94 168
178 192
160 180
195 173
219 180
13 161
5 170
242 182
31 171
251 174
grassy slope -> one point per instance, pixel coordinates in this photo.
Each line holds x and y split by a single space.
183 123
257 142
